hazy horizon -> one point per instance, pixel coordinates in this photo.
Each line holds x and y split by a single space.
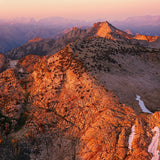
81 10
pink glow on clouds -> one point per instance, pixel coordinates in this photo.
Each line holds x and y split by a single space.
113 9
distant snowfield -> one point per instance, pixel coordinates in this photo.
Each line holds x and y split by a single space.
131 136
154 144
13 63
141 104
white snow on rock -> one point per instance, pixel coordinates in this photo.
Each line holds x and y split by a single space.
141 104
21 70
131 136
154 144
13 63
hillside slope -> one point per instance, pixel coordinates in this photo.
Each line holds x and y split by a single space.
123 68
111 55
59 111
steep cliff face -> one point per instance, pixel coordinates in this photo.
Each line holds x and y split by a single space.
53 108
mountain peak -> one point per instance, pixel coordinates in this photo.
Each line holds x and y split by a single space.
104 28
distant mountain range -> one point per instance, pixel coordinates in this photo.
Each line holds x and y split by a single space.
17 31
14 35
148 25
40 46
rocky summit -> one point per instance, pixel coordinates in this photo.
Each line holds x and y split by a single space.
80 103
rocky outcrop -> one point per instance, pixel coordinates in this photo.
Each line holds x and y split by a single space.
106 30
146 38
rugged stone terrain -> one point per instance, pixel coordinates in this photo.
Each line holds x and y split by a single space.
80 103
128 68
52 108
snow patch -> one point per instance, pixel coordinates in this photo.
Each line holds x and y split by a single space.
131 136
13 63
154 144
141 104
21 70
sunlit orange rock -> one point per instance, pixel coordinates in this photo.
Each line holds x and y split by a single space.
36 39
65 113
146 38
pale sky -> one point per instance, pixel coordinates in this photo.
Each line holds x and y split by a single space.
79 9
